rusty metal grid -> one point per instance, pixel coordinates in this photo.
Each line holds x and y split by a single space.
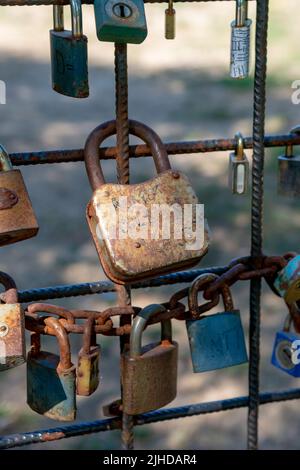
258 142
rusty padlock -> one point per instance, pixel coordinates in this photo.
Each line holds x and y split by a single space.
51 379
12 326
17 219
127 255
88 361
149 373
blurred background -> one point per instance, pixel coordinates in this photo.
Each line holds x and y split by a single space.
182 89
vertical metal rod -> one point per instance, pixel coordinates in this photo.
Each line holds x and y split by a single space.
122 157
257 214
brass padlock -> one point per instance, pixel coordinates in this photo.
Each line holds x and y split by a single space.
238 168
17 219
12 326
88 361
125 257
149 373
289 171
170 27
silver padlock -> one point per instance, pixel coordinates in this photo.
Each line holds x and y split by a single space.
238 168
240 41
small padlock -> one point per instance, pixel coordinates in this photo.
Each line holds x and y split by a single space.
51 379
149 373
17 219
240 41
289 171
170 25
216 341
287 282
88 361
238 168
286 355
12 326
120 21
126 258
69 54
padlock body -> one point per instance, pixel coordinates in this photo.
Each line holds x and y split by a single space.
17 219
69 65
287 282
120 21
88 371
240 50
286 355
49 392
126 258
217 341
289 176
12 336
238 174
150 380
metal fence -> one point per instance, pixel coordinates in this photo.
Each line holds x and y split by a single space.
122 152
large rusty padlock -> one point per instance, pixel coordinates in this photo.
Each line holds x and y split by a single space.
51 379
88 361
128 254
216 341
12 326
17 219
149 373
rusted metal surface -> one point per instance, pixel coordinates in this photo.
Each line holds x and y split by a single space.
88 362
8 198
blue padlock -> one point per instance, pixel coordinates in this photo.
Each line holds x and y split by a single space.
216 341
286 350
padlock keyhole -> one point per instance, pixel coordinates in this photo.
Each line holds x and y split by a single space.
122 10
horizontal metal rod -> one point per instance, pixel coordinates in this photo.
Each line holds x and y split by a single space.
136 151
88 2
101 287
73 430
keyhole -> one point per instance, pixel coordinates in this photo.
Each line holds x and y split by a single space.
122 11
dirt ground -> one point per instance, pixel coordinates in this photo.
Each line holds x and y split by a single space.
181 88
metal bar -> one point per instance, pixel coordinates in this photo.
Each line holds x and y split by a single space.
257 214
137 151
73 430
87 2
102 287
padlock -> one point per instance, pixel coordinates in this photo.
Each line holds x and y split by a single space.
127 258
69 54
120 21
286 355
17 219
238 168
51 379
149 373
170 27
12 326
240 41
88 361
289 171
287 282
216 341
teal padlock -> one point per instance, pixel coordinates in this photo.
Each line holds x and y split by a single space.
216 341
69 56
120 21
287 282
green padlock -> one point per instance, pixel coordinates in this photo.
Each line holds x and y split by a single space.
120 21
69 54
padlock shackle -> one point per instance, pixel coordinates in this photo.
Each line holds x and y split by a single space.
65 362
239 152
76 18
241 15
10 296
88 335
139 323
289 151
54 309
5 161
107 129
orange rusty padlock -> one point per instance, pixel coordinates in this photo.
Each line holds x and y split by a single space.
17 219
125 256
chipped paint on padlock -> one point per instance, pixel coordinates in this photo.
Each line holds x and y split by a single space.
216 341
51 379
149 373
287 282
126 258
88 362
12 327
17 219
283 350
